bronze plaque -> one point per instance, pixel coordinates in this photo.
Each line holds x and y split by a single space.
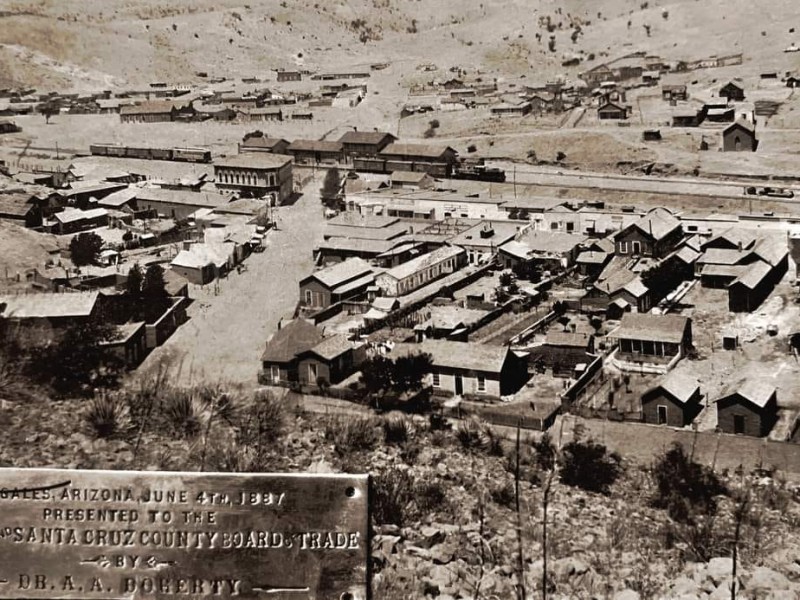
107 535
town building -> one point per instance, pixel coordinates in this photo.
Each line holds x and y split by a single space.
507 109
262 143
479 371
732 92
256 175
177 204
483 240
18 209
330 361
655 235
748 408
71 220
433 159
152 111
51 311
410 180
612 110
365 143
338 282
655 339
314 152
675 401
201 263
553 250
280 357
617 291
434 205
289 76
563 351
740 137
418 272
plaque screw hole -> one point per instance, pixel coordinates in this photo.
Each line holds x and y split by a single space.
346 595
349 492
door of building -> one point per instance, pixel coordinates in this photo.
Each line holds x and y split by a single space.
662 415
459 385
738 423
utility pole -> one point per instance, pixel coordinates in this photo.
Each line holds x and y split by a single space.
515 180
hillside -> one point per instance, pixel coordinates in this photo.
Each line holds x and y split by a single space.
71 44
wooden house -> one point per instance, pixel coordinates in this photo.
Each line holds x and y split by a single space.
651 338
675 401
748 408
740 137
330 361
655 235
732 92
333 284
279 360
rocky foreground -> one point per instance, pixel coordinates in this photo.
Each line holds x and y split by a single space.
444 507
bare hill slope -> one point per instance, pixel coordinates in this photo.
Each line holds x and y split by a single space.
72 43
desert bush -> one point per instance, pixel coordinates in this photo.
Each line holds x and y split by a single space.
264 423
184 413
475 435
109 415
589 466
353 435
683 487
392 497
545 453
503 494
397 429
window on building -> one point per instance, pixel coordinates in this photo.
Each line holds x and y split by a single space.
275 374
481 383
309 297
437 380
623 247
636 345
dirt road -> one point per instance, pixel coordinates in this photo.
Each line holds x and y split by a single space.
225 335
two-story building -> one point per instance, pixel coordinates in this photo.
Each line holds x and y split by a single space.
365 143
338 282
256 175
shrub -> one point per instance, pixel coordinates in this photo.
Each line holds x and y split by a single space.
109 415
352 435
503 494
472 148
429 496
589 466
685 488
477 436
264 423
84 248
397 429
392 497
184 412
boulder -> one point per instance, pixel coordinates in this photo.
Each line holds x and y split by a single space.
683 586
627 595
430 536
719 569
763 578
566 569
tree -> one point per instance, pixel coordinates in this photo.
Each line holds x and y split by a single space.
506 279
77 361
331 186
409 371
49 111
85 248
153 285
133 285
589 466
376 374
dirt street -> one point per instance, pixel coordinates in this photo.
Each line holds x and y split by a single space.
225 335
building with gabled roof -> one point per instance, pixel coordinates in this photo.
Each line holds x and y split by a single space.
279 360
50 309
262 143
365 143
656 234
469 370
316 151
740 136
17 208
335 283
616 291
151 111
732 92
330 361
675 401
749 407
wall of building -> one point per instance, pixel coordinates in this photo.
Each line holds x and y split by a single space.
447 383
320 296
756 423
676 416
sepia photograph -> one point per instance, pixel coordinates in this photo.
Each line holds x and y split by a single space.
399 299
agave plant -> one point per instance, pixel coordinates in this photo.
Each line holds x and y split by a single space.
109 415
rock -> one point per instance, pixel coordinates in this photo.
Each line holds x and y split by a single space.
627 595
763 578
569 568
684 586
442 554
387 543
388 529
440 577
719 569
422 553
430 537
723 591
